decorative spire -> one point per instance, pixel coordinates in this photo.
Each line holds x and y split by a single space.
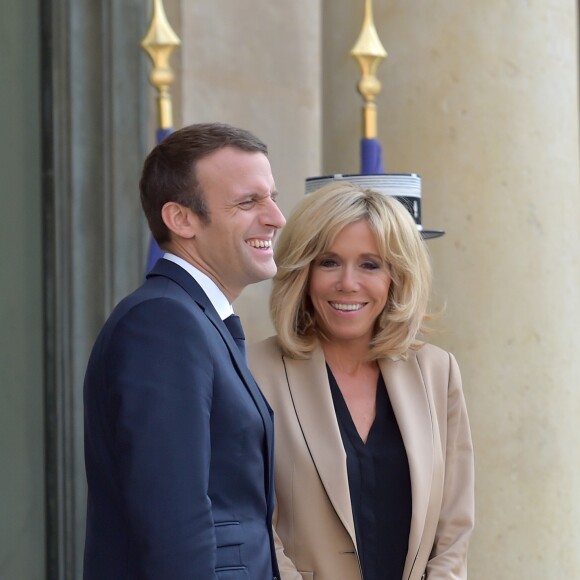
159 43
369 53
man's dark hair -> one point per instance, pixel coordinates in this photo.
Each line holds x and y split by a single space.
169 171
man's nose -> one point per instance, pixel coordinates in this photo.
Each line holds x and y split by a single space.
274 216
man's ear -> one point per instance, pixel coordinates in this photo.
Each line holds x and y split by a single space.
180 220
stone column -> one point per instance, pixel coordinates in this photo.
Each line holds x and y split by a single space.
94 111
481 99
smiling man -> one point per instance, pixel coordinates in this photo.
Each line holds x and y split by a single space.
178 438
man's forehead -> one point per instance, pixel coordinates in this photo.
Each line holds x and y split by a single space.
229 154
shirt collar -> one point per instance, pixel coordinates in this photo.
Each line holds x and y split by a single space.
211 289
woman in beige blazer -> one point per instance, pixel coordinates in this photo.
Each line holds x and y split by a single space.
374 462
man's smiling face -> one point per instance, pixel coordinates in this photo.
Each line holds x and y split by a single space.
235 247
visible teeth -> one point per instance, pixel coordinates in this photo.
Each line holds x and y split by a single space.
260 243
346 306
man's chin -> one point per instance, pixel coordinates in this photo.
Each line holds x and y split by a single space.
265 272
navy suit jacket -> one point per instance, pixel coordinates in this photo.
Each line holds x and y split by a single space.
178 443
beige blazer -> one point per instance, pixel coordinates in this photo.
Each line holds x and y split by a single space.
313 518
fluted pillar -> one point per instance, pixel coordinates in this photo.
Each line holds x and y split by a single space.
481 99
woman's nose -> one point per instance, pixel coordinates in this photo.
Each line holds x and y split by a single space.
347 281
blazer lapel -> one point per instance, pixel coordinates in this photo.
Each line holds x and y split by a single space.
180 276
308 383
408 396
242 367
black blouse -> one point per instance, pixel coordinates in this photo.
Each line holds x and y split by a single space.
380 486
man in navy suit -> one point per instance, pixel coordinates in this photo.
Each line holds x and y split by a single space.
178 438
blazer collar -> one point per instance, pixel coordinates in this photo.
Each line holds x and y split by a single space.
308 383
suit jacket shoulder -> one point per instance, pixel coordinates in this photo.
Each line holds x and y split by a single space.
430 354
437 366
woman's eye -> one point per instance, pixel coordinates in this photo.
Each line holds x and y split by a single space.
370 265
327 263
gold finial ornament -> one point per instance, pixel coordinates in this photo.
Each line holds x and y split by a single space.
369 53
159 43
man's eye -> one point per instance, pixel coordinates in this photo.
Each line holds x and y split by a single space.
248 204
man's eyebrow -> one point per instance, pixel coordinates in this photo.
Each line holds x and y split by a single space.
255 195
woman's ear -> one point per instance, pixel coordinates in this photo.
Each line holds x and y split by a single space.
180 220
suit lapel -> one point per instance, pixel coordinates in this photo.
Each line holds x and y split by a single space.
310 390
240 364
408 396
180 276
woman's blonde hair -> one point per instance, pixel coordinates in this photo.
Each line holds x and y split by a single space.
311 230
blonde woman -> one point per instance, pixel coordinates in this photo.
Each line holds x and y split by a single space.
374 461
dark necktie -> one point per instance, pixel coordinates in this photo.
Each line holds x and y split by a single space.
235 327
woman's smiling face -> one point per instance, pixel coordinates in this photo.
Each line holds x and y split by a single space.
349 285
